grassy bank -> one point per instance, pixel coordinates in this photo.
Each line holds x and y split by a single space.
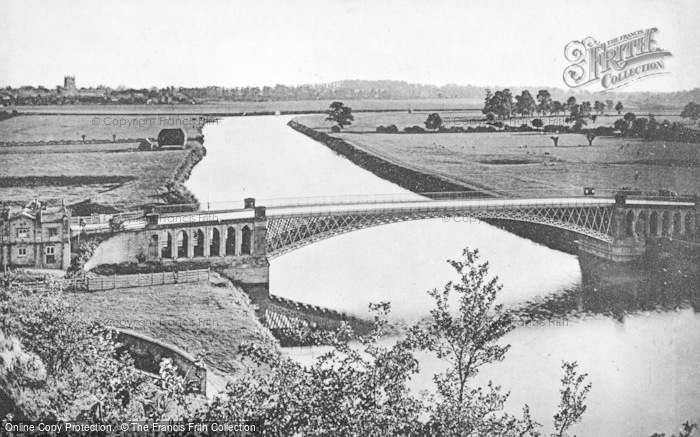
215 317
510 162
406 178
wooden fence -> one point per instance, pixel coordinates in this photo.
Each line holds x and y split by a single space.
97 283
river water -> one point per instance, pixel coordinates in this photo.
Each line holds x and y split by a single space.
639 341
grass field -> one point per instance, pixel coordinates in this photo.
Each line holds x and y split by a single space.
240 107
193 317
507 162
34 128
110 174
368 122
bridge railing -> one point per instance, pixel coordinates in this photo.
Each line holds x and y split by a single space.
543 193
434 208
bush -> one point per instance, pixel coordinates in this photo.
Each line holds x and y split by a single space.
335 129
391 129
607 131
414 130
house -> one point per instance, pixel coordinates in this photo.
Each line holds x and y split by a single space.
175 138
35 236
148 144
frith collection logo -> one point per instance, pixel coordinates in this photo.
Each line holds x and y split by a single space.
615 63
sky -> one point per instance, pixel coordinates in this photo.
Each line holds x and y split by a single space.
262 42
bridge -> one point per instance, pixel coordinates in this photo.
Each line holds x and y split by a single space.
245 235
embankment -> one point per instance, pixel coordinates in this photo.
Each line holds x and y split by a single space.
419 182
404 177
177 193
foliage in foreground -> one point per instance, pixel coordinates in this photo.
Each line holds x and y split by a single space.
359 387
55 364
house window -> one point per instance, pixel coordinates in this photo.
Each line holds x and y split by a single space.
53 232
22 252
50 255
22 232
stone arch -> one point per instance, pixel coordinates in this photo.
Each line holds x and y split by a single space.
642 225
182 244
167 251
246 240
654 224
198 243
629 224
231 241
666 223
153 247
214 241
677 223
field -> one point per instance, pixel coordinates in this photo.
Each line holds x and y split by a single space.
223 108
35 128
110 174
509 162
368 122
215 317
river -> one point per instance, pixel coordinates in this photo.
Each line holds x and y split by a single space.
639 341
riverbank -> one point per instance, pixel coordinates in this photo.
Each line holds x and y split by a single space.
402 176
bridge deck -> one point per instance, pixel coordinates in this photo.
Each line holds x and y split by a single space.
416 205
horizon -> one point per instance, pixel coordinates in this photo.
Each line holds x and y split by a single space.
492 87
237 44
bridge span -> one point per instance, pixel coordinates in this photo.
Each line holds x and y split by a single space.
614 226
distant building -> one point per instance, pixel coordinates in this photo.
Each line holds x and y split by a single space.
172 138
69 83
148 144
35 236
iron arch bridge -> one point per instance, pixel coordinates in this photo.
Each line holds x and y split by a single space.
292 227
609 223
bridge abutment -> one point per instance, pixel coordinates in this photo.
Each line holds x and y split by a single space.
633 225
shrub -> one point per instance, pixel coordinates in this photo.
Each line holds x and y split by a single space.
335 129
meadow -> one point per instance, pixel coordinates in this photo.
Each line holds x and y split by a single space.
36 128
223 108
368 122
109 174
509 162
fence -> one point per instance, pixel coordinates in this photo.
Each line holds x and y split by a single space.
97 283
43 285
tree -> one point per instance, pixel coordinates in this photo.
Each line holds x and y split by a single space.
599 107
467 339
537 123
340 114
557 107
570 103
610 104
590 137
573 394
621 125
544 101
525 104
619 108
630 117
70 366
579 115
433 122
692 111
500 103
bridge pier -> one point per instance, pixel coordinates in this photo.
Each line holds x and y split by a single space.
632 226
